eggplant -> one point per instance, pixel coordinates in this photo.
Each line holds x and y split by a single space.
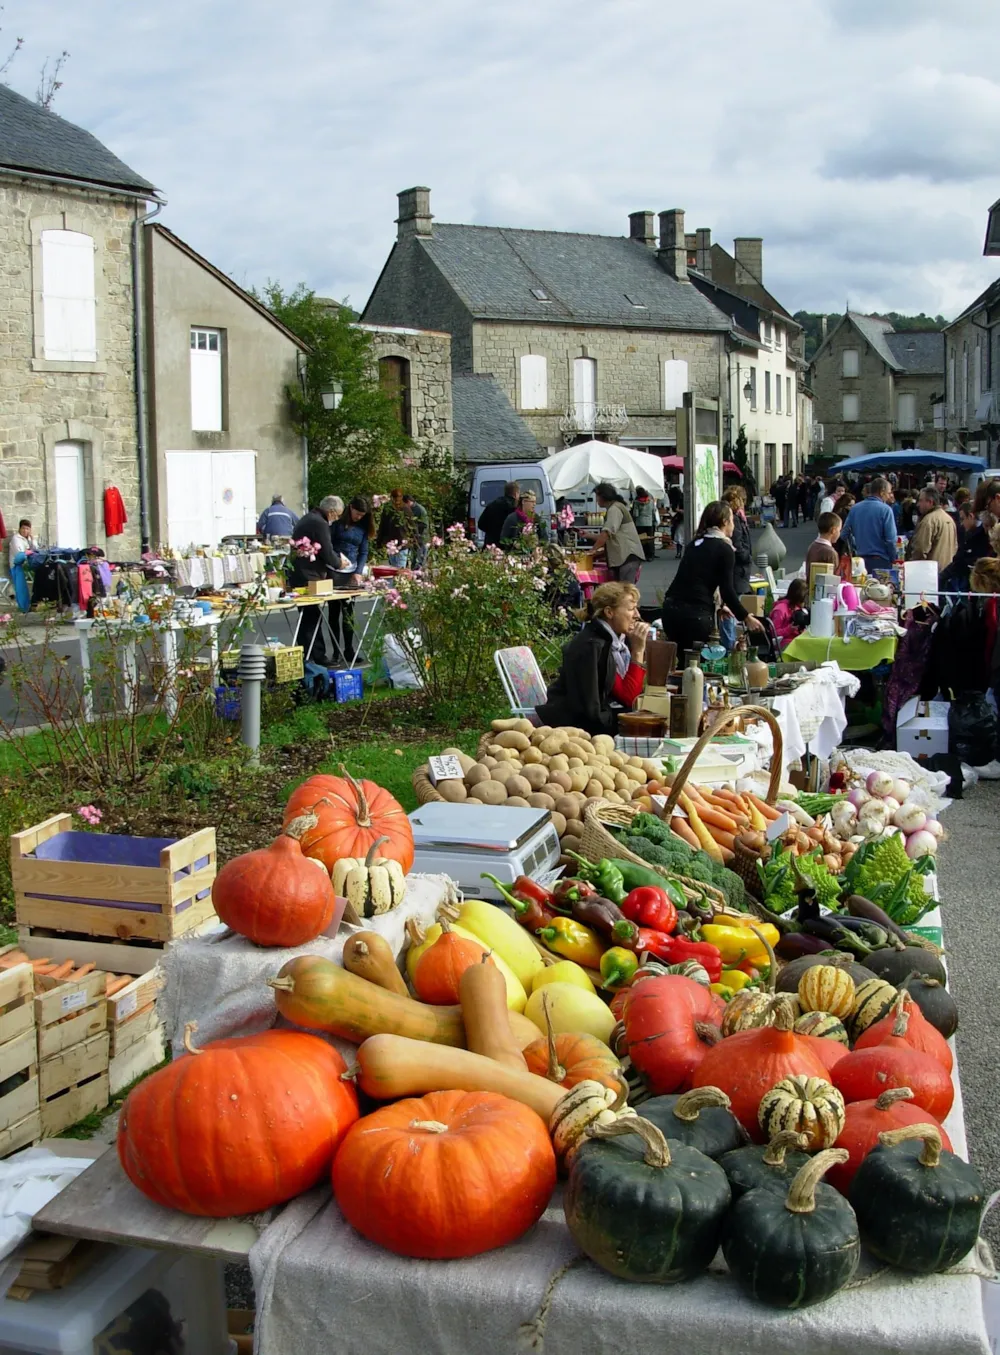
871 932
796 944
836 935
896 965
858 906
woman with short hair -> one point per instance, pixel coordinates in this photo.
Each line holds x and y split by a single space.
524 521
706 566
351 535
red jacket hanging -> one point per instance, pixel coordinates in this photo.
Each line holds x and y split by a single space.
115 516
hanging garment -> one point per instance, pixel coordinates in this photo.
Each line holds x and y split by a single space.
912 657
104 574
958 650
84 585
115 516
3 529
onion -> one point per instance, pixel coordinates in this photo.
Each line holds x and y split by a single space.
935 829
857 797
901 789
911 818
879 783
921 844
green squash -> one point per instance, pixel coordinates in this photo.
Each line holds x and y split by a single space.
641 1209
791 1251
701 1118
919 1207
771 1165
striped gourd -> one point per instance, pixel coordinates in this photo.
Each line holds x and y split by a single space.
824 988
746 1010
803 1105
824 1025
872 1001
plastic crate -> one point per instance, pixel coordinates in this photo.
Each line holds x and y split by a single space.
280 665
228 703
348 684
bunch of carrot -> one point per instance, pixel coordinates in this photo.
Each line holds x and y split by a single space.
61 971
714 817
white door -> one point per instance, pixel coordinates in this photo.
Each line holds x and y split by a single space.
71 515
234 493
585 391
210 495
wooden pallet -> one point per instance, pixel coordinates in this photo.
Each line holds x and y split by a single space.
49 1262
134 1030
17 991
72 1104
73 1067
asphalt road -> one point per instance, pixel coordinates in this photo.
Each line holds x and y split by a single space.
657 574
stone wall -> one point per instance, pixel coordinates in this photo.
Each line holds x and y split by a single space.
44 402
429 355
630 371
978 330
873 384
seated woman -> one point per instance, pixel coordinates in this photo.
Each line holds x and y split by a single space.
603 664
789 616
707 565
524 522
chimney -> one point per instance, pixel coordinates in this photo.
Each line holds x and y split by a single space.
749 252
414 213
640 227
703 238
822 329
672 253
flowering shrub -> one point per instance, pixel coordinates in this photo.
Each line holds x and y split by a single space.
306 549
90 814
450 617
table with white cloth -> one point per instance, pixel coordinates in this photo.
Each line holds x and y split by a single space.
811 717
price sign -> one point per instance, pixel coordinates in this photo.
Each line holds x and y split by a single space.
778 827
445 769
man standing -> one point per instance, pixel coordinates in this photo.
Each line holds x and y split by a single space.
646 518
420 529
872 526
823 550
497 511
314 527
618 537
779 492
276 520
935 537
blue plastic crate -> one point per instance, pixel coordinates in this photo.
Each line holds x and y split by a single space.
348 684
228 703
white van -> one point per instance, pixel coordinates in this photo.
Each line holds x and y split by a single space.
488 482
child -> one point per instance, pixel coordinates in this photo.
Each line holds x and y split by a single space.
824 549
789 616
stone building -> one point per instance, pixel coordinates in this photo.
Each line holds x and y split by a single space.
67 365
583 335
414 369
876 387
969 414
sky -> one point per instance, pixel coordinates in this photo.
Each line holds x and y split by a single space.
857 137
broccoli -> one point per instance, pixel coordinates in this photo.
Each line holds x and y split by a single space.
649 826
732 886
783 896
651 852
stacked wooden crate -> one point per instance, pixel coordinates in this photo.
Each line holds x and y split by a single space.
71 1018
20 1122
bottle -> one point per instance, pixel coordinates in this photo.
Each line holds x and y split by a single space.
693 691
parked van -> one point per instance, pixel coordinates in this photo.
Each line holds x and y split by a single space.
488 482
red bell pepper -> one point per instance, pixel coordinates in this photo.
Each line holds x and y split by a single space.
677 949
570 891
529 905
650 906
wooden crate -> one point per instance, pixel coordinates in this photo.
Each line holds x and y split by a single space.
135 1059
17 992
71 1105
72 1067
130 1032
115 957
20 1122
110 885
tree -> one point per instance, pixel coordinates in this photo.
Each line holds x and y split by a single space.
736 452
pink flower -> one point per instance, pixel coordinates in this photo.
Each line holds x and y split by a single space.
392 548
90 814
4 618
437 541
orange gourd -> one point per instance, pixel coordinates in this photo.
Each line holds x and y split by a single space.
446 1175
829 1052
276 896
351 816
442 965
865 1120
920 1034
866 1073
238 1125
574 1057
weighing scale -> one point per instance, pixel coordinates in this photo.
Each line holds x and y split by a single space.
464 840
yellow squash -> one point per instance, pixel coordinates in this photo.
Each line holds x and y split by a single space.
563 971
516 996
504 936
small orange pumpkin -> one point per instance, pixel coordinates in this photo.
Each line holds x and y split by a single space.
574 1057
351 816
442 965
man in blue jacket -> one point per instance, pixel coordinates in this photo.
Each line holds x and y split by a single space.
871 526
276 520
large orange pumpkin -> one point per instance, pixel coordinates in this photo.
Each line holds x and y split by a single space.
276 896
351 816
445 1175
239 1125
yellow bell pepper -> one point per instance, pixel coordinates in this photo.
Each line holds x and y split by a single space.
722 990
735 945
735 979
748 923
573 941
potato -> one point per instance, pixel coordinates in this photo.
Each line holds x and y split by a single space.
539 735
495 750
568 843
516 801
603 743
594 799
490 792
639 793
508 755
577 749
535 776
568 807
453 791
512 738
574 828
504 772
617 760
614 797
578 779
594 789
621 781
571 732
465 762
559 763
561 779
554 789
635 762
644 803
532 755
560 822
476 774
579 797
499 725
598 760
652 769
517 785
539 801
606 778
553 744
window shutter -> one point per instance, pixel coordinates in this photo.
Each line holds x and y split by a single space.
852 408
206 381
534 382
68 302
675 382
850 362
777 394
585 390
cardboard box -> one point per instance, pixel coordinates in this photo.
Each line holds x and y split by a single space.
319 588
754 603
922 728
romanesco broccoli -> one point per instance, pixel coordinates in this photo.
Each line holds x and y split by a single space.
882 871
781 894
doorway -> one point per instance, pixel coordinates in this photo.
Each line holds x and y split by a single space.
71 507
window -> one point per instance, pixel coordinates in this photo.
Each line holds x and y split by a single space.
771 461
394 380
906 412
766 332
637 305
71 515
206 380
540 294
777 394
767 392
852 408
951 377
753 388
788 395
786 458
850 362
850 449
675 382
69 313
534 382
778 332
585 391
977 373
965 380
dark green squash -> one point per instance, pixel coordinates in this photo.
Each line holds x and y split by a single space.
791 1251
701 1118
919 1207
776 1164
896 965
641 1209
936 1003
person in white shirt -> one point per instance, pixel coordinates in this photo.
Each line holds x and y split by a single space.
22 543
827 499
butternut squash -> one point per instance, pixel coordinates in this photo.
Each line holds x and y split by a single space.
315 993
370 957
483 995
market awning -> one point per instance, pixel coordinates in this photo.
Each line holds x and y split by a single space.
677 463
911 457
592 462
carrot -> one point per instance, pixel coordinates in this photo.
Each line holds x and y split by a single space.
43 960
61 971
115 984
715 818
44 969
727 841
84 970
738 803
767 810
707 843
727 855
14 957
685 832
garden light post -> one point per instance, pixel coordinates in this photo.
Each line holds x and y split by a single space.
251 672
332 395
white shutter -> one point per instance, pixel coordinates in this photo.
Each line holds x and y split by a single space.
675 382
206 381
906 412
850 362
234 493
189 499
68 304
71 517
977 373
777 394
585 391
845 449
852 408
534 382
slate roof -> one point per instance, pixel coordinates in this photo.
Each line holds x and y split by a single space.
724 275
920 352
589 279
985 300
487 427
33 138
876 332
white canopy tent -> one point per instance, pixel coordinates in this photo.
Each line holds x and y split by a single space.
591 462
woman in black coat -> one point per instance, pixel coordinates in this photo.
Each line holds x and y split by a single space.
708 565
601 665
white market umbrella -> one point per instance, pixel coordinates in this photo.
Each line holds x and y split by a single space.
591 462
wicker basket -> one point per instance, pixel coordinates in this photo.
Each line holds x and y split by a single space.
597 843
425 792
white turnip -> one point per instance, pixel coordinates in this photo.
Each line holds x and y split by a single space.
858 797
879 783
910 817
901 789
935 829
921 844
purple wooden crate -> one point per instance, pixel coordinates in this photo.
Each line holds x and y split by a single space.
113 849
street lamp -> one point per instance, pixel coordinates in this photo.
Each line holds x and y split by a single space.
747 390
332 395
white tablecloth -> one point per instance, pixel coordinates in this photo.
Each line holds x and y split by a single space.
811 717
